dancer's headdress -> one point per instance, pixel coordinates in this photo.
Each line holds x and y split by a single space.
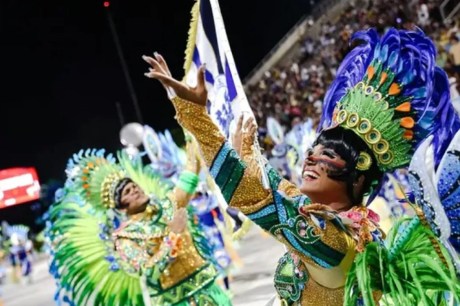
391 94
97 175
101 178
18 231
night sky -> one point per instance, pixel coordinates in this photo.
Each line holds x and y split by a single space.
61 76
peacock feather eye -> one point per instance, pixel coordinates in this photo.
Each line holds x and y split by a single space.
373 136
386 158
364 161
353 120
385 105
377 96
381 147
364 126
359 86
342 116
369 90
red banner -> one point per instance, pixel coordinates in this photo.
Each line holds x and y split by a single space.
18 185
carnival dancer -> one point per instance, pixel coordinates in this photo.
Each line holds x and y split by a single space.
388 96
20 252
112 244
216 217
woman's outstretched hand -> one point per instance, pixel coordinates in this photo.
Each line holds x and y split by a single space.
245 134
159 70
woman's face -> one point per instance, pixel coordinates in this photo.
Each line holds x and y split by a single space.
133 199
316 184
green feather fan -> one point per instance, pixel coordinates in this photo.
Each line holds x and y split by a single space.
408 271
84 263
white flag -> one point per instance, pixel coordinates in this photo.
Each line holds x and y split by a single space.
208 44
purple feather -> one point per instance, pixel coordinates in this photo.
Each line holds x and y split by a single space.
350 72
411 56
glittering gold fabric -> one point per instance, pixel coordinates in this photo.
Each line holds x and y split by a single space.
186 263
250 194
194 118
289 188
317 295
325 285
327 278
139 242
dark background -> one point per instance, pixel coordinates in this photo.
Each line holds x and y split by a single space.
61 75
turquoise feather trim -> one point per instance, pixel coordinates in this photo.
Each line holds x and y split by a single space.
84 263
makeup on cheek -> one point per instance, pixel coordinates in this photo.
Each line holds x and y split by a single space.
329 163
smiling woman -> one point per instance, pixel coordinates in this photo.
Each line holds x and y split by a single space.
386 99
330 171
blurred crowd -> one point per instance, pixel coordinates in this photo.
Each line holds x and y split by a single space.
293 91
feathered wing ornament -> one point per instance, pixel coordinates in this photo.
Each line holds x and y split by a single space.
152 144
298 140
437 193
282 153
448 184
87 269
408 270
18 231
165 156
176 154
275 130
395 186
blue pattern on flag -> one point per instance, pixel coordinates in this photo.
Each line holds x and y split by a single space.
197 61
231 88
225 93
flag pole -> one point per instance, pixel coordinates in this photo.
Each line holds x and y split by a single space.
124 66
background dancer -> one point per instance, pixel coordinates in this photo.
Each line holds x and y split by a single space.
113 244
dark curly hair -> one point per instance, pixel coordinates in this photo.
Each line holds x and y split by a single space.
348 145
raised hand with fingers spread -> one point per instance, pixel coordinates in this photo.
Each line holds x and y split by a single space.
244 136
159 70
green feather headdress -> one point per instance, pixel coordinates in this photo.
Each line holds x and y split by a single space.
390 93
96 175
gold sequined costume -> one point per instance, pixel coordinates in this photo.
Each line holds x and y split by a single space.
320 251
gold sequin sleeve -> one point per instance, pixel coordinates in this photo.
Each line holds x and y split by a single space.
321 243
239 182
